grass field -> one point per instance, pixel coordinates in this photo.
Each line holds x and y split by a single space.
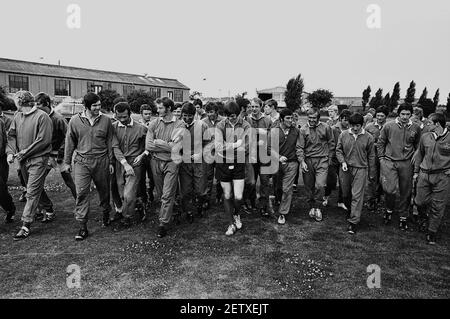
302 259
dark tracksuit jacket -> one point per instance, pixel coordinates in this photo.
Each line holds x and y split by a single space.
432 162
6 201
359 154
395 148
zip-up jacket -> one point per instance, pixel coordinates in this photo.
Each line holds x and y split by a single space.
30 132
128 141
316 141
433 153
227 133
398 142
289 142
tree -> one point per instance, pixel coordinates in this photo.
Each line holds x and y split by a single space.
395 97
106 98
436 98
410 93
423 97
6 103
137 98
387 99
195 95
377 100
293 93
320 98
427 106
366 97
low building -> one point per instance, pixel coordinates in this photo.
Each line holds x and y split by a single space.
62 82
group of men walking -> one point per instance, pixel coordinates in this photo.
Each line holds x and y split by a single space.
182 149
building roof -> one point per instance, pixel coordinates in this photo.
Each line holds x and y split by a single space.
277 89
34 68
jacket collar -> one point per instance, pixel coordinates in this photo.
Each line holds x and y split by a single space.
439 136
129 124
400 124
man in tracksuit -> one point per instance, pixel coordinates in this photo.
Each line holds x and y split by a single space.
396 146
333 168
289 150
356 153
56 157
261 125
129 150
316 151
193 169
432 172
6 201
163 137
90 135
374 190
212 119
29 142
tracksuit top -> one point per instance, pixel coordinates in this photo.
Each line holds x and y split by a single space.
197 137
316 141
3 139
227 133
32 132
375 130
59 134
128 141
433 153
88 140
265 123
289 143
357 151
169 129
398 142
337 130
6 120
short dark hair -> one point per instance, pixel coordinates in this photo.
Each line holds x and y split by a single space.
356 118
43 98
188 108
90 99
211 106
176 106
313 110
405 107
285 112
272 103
220 107
119 99
122 107
166 102
383 109
258 101
232 108
438 118
145 107
345 114
198 102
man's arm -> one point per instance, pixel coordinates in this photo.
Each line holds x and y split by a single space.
331 142
340 155
371 157
11 146
419 155
382 140
118 154
70 143
43 137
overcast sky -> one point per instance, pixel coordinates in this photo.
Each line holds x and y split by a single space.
242 45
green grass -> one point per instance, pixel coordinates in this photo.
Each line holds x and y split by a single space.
302 259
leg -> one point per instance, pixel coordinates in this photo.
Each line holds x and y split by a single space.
68 180
321 168
157 176
170 173
309 179
389 182
130 192
102 181
345 181
405 174
359 176
440 191
82 175
6 200
289 171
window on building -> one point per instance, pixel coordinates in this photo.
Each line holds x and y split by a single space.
97 89
155 92
62 87
107 86
90 87
178 96
127 89
17 83
170 94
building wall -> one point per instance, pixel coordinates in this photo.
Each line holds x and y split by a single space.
78 88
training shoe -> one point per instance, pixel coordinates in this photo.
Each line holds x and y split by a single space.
312 212
48 217
431 238
231 230
9 217
82 234
403 225
281 220
342 205
351 229
105 220
237 221
325 201
39 215
23 233
190 217
318 215
23 197
387 217
161 231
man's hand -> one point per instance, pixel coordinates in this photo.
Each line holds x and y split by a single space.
138 160
304 166
10 158
65 168
283 159
447 172
128 169
415 176
111 169
19 156
344 167
237 144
